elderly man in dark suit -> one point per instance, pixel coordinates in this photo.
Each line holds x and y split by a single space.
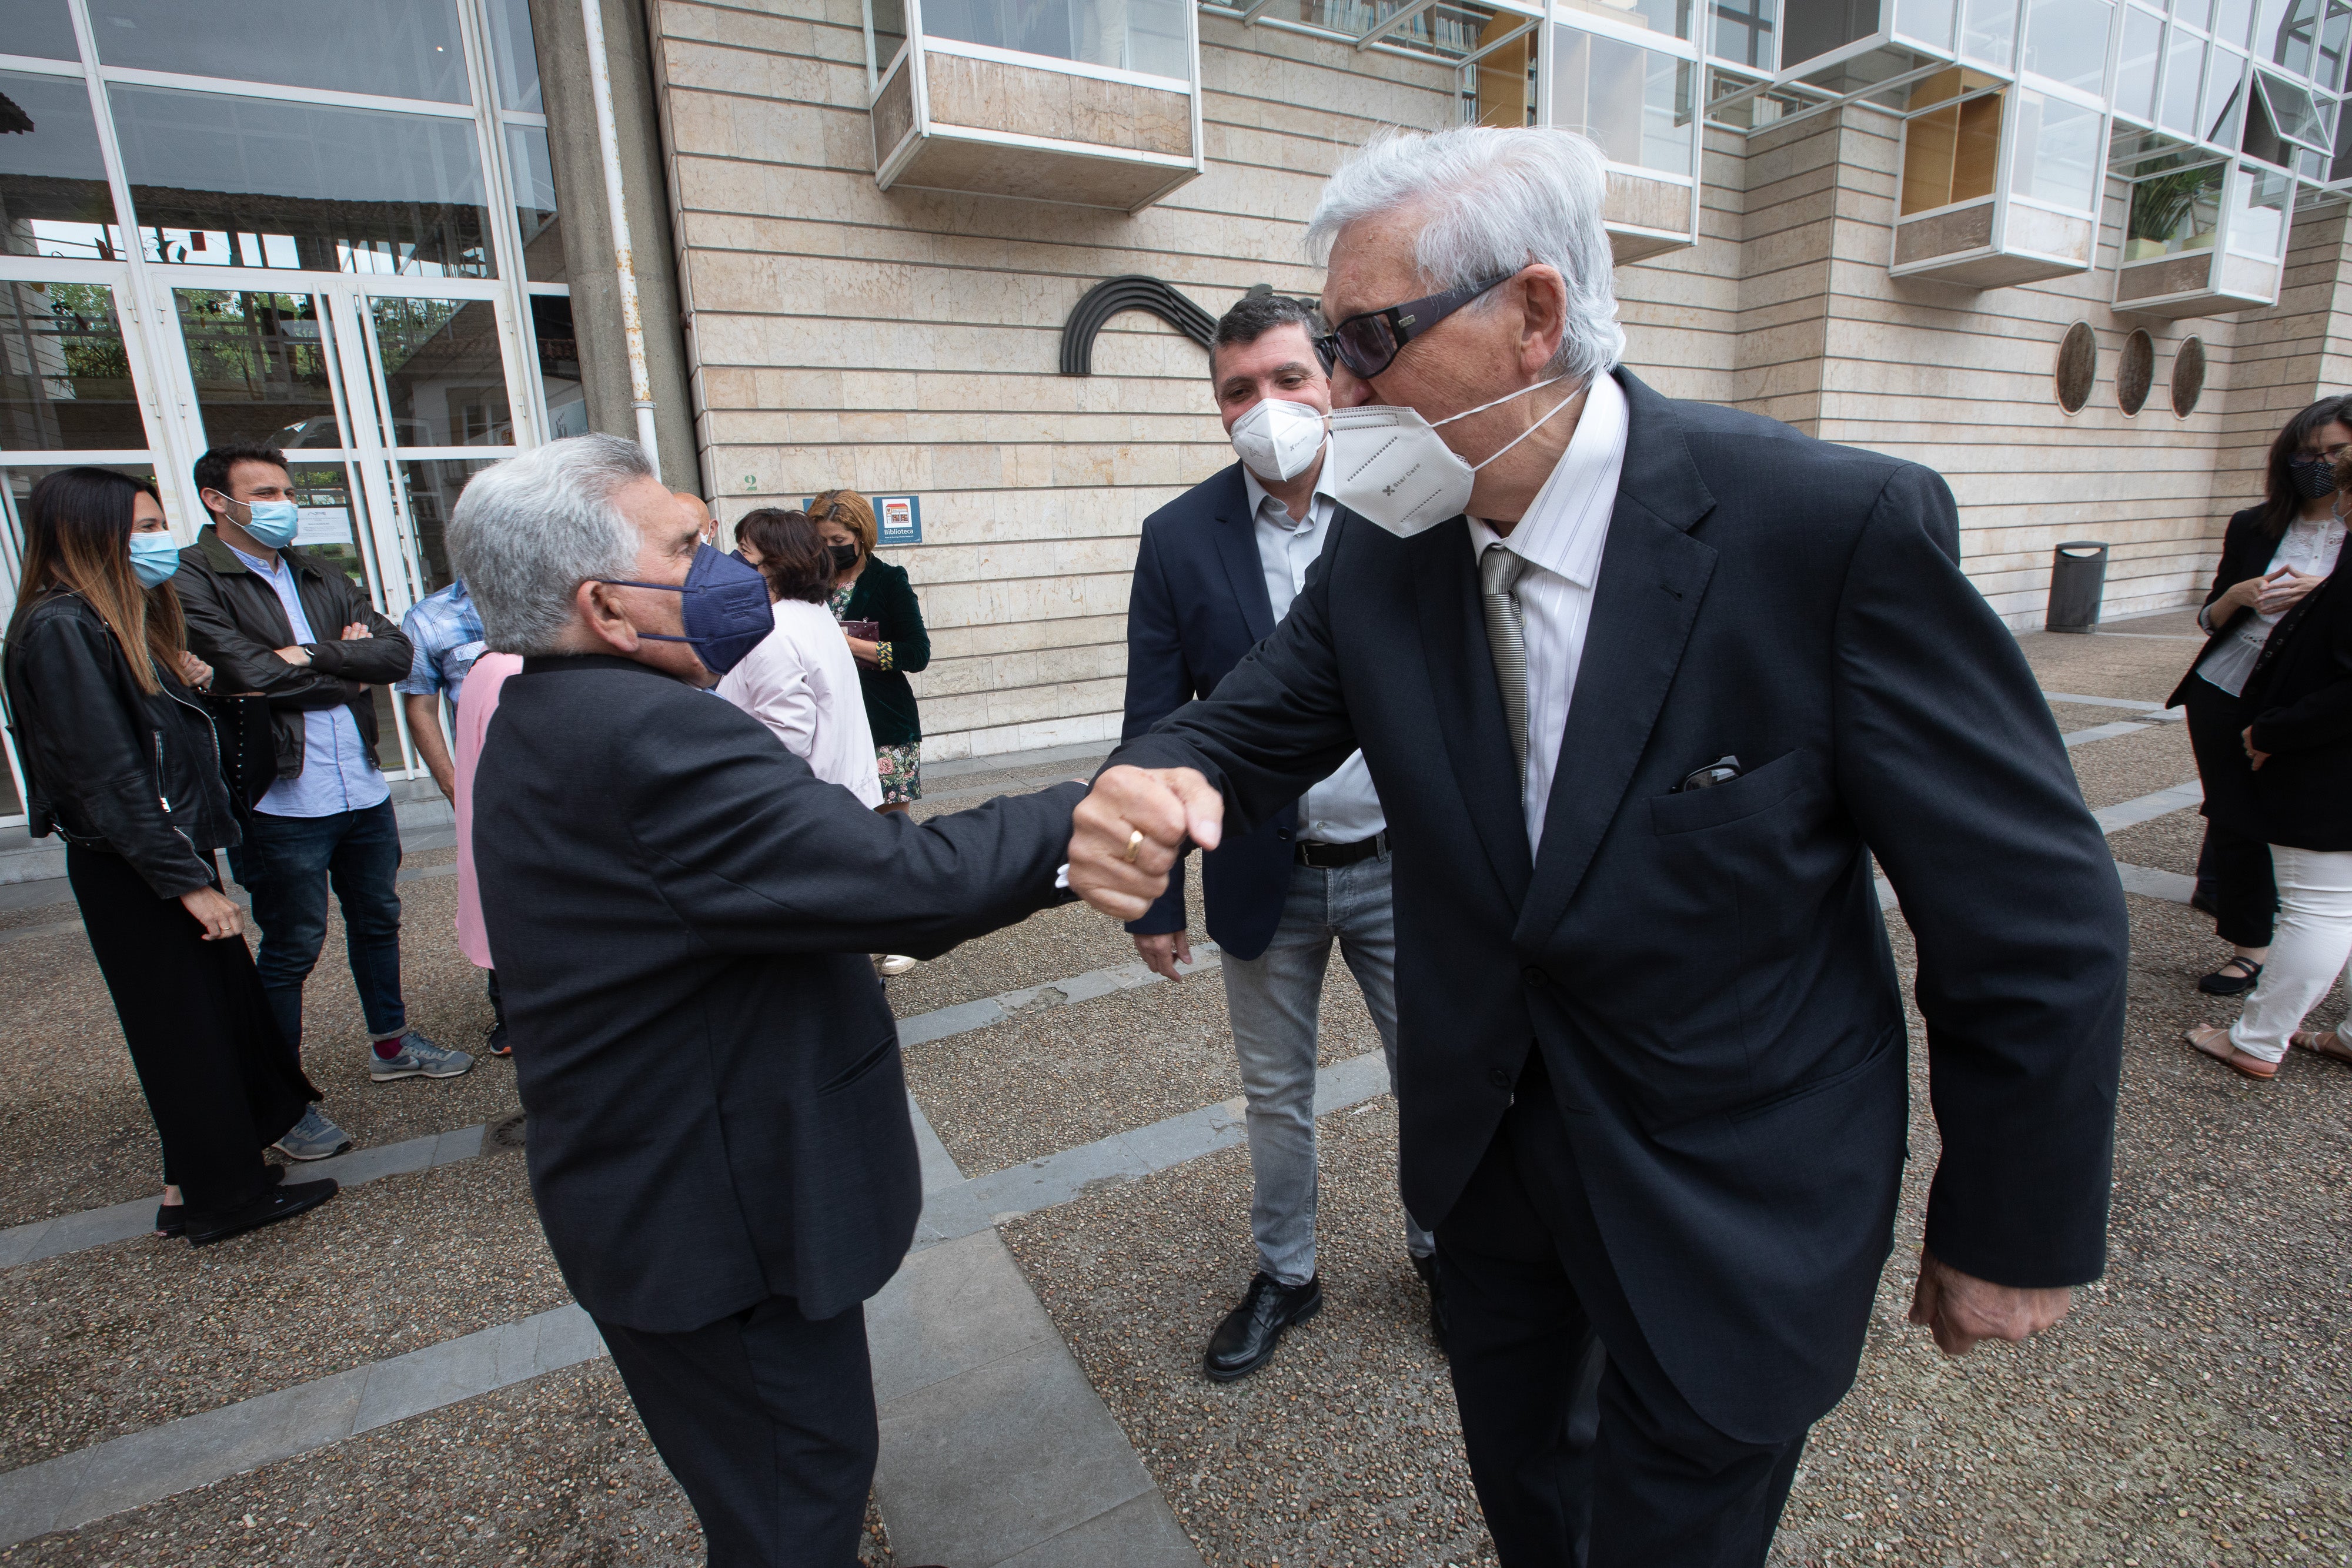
682 912
1643 692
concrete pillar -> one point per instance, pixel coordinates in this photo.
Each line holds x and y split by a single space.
587 228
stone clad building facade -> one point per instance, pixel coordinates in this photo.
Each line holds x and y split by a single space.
859 231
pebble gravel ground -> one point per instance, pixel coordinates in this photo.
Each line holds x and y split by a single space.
2168 843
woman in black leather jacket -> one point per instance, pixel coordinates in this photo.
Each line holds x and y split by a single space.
120 762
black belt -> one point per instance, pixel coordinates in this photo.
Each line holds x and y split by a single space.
1331 857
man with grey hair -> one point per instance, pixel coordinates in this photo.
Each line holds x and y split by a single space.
1646 685
682 914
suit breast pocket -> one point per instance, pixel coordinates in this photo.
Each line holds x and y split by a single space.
1695 810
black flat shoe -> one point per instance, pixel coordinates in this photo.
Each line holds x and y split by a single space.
1425 1265
2223 983
171 1218
1246 1339
276 1204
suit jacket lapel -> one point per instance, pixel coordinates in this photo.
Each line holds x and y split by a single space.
1237 534
1469 707
1653 576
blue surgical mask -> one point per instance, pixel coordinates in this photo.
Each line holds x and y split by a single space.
154 558
727 612
272 524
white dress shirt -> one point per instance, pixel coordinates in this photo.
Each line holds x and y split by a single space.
802 682
1344 808
1560 538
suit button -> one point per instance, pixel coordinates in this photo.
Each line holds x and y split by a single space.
1499 1079
1535 977
1282 833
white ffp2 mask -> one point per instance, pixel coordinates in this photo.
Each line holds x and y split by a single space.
1277 439
1391 467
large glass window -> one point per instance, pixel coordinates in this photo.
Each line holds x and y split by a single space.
260 367
53 194
2224 102
1635 102
2260 201
65 370
429 491
2184 57
42 29
339 190
1951 154
1988 32
559 365
2066 40
2177 211
396 48
2135 63
2060 154
2328 64
514 55
532 173
442 372
1743 32
1672 17
2286 32
1148 36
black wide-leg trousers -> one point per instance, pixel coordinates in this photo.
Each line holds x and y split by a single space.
767 1421
221 1082
1652 1485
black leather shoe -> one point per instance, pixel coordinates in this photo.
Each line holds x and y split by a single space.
1425 1265
2234 978
275 1203
1246 1339
171 1218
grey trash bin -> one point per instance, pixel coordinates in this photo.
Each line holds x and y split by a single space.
2078 579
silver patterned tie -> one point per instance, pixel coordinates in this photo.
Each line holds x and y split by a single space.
1499 571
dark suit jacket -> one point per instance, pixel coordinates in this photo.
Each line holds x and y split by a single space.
883 594
1198 604
1706 973
2215 720
2298 701
683 915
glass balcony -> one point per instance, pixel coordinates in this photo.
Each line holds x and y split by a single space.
2205 240
1093 103
1640 105
1965 216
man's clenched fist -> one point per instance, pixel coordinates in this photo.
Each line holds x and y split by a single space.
1127 833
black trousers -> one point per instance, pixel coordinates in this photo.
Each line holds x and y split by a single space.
1652 1485
2235 872
221 1083
2236 860
767 1421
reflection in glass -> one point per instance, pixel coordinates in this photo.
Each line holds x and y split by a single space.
1635 102
428 494
1148 36
2174 212
260 364
1743 32
396 48
2135 64
2297 34
65 371
534 189
559 366
2066 40
514 55
2328 71
2183 57
1988 32
42 29
443 370
297 185
2259 199
1951 154
53 195
889 22
1672 17
2232 19
2059 150
2224 97
2196 13
1929 21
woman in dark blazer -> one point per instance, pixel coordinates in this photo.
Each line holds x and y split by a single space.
2267 560
876 605
120 762
2298 741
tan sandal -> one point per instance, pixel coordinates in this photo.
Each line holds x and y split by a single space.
2214 1040
2324 1042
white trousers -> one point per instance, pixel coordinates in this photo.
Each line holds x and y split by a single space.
2308 950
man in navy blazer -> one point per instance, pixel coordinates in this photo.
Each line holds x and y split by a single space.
1645 687
1217 569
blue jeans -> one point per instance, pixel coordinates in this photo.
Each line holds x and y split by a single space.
1274 1000
288 863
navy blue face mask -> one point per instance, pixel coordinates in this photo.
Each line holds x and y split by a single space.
726 613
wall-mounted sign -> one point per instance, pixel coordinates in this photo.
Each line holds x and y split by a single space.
897 519
323 525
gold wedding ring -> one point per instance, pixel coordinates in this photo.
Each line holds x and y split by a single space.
1134 842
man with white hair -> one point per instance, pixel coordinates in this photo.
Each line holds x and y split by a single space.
682 914
1646 685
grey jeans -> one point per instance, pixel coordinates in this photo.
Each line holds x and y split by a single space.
1274 1000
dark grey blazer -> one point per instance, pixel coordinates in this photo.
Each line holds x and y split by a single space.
1706 973
682 915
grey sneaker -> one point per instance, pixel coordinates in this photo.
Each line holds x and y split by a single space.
313 1137
419 1058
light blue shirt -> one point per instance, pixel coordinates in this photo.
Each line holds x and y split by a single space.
338 772
1344 808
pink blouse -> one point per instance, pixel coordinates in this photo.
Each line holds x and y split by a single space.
476 701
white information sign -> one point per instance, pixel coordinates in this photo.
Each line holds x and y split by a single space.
323 525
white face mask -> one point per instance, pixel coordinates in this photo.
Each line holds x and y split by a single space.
1278 440
1391 467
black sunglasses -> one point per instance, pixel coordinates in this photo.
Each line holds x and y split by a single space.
1368 344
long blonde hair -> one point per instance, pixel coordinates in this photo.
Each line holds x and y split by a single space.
78 538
